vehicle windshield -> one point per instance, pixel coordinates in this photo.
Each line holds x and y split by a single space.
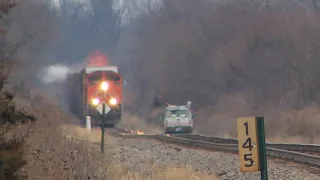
178 113
95 77
112 76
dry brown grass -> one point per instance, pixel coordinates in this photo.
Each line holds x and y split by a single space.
80 133
165 173
124 171
58 149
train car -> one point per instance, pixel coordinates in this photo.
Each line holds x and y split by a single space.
95 84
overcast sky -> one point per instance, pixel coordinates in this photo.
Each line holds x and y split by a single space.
56 3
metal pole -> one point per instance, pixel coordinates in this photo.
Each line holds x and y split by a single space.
262 149
102 127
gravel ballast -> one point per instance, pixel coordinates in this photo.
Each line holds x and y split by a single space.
224 165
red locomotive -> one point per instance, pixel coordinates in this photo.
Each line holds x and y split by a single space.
97 83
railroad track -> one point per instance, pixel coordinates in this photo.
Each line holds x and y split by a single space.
308 148
286 152
289 155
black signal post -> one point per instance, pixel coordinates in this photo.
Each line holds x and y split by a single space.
102 127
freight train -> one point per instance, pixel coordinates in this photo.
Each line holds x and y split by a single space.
98 82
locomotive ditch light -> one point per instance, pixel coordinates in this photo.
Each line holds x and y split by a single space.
95 101
104 86
113 101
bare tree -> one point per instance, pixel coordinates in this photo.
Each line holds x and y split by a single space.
97 27
211 52
30 28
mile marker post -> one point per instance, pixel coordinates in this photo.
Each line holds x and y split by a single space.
252 147
102 127
262 149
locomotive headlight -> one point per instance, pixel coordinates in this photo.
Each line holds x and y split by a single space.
104 86
95 101
113 101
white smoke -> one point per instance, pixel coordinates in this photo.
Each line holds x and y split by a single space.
55 73
58 72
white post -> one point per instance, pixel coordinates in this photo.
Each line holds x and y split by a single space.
88 123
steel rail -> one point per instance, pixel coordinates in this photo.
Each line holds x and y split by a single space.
315 148
301 158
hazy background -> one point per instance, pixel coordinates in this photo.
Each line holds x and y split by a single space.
230 58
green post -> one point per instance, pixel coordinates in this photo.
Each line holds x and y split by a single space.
262 149
102 127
